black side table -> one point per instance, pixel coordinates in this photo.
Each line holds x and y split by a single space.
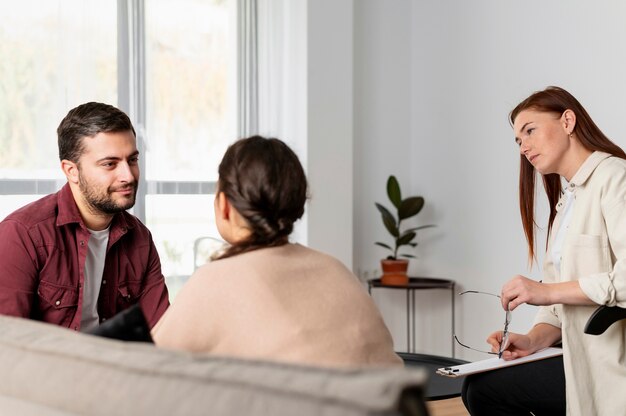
418 283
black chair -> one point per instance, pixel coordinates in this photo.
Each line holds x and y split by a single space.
603 318
128 325
437 387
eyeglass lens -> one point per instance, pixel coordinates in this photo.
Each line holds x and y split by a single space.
505 337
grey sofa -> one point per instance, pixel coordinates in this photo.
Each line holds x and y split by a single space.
47 370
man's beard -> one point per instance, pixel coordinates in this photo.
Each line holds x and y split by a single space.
101 202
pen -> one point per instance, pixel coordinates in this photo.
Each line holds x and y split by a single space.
505 333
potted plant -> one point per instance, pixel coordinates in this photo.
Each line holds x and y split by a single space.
394 268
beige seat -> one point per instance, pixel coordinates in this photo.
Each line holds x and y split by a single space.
52 371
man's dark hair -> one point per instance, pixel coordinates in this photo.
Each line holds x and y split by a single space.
87 120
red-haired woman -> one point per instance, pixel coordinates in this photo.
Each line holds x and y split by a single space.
584 177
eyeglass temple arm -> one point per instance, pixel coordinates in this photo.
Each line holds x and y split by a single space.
478 291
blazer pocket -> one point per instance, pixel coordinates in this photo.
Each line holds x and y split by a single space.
588 254
588 240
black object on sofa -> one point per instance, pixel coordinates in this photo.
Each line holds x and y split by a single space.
128 325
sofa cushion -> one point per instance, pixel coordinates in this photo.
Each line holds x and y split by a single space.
13 406
71 372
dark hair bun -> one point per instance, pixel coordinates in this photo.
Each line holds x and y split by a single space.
264 180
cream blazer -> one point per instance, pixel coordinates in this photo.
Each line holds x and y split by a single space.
594 253
287 303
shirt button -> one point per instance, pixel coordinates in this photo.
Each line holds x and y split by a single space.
58 302
82 243
571 185
104 281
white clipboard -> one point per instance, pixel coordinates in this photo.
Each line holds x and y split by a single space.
495 363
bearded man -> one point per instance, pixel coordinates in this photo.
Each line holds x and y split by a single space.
76 258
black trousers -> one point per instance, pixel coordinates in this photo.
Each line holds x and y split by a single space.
537 387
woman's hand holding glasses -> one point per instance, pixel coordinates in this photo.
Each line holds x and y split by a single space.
508 345
521 289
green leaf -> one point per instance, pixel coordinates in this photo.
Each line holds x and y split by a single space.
408 255
419 228
393 191
388 220
410 206
405 239
383 245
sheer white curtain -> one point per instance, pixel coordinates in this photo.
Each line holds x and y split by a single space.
247 45
282 79
282 71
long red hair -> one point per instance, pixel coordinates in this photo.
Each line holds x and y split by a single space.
554 100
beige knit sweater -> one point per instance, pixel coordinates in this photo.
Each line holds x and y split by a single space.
287 303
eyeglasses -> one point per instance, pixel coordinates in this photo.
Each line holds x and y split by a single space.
505 333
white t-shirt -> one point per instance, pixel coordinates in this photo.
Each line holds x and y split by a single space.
94 267
557 244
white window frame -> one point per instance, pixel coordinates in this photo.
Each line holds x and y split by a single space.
132 99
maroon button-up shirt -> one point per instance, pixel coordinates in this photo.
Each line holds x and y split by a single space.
43 248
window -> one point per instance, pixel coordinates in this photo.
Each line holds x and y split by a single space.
170 65
55 55
190 120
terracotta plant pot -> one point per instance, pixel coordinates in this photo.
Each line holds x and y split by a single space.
394 272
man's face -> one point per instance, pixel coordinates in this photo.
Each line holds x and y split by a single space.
108 172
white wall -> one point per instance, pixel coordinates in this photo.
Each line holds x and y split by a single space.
330 126
306 99
382 145
434 82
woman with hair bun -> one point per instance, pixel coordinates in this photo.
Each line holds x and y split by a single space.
265 297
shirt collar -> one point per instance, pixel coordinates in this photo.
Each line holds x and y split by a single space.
587 168
68 211
580 177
